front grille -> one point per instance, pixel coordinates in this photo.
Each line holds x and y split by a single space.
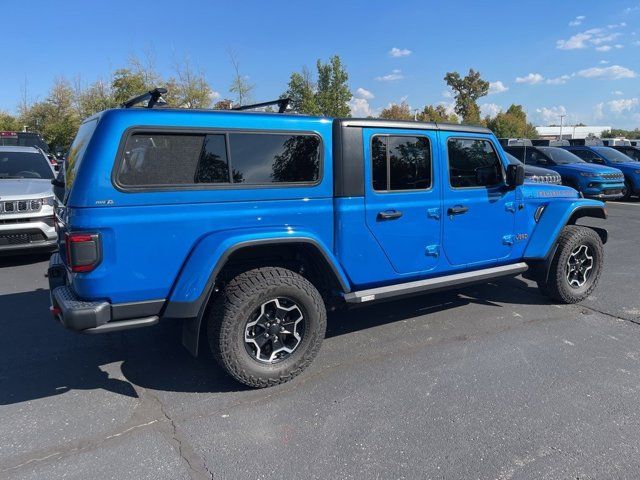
21 238
21 206
613 176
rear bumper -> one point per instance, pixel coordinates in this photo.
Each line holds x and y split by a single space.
97 316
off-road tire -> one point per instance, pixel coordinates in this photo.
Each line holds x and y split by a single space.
556 285
628 190
231 309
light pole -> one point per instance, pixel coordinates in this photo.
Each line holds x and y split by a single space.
561 118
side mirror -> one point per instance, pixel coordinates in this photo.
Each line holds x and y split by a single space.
515 175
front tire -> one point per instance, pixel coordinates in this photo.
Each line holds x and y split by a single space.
576 266
627 190
266 326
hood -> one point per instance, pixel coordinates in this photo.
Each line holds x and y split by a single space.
530 170
24 188
585 167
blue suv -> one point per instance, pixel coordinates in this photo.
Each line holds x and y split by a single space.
600 155
593 181
247 227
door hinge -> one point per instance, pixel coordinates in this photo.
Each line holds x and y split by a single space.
433 213
432 251
508 240
510 207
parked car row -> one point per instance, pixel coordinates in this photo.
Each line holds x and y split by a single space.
595 170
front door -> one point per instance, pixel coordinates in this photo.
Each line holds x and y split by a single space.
403 210
478 209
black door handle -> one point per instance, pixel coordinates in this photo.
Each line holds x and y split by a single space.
389 215
457 210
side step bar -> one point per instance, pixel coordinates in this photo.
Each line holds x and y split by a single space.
436 283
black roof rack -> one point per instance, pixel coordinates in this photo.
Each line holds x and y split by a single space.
154 97
283 104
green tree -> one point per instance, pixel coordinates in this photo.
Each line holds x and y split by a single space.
329 96
396 111
617 132
467 91
333 92
191 87
301 91
56 118
93 99
240 85
512 124
437 114
9 122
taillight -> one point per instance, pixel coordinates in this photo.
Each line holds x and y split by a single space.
83 251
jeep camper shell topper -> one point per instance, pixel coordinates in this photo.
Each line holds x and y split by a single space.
248 226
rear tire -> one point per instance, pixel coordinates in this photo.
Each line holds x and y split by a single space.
576 266
266 326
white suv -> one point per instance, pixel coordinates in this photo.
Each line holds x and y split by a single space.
26 200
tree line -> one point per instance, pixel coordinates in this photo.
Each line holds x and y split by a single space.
323 92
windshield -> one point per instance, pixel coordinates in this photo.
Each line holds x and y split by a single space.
614 156
24 165
512 159
560 156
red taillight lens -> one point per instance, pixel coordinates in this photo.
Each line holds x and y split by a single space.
83 251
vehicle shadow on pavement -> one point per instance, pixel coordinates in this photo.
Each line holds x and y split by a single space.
18 260
39 359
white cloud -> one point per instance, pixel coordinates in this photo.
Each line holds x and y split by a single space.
577 21
360 107
399 52
636 43
623 105
391 77
531 79
598 111
614 72
447 94
604 62
603 48
594 37
489 109
629 10
497 87
562 79
551 114
616 92
363 93
213 95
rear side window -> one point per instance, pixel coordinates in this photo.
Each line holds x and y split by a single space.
76 152
400 163
226 158
473 163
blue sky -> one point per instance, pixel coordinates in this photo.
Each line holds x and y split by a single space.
579 58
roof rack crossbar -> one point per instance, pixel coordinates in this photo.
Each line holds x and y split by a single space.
154 97
283 104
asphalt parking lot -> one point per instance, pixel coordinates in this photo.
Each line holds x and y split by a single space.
490 381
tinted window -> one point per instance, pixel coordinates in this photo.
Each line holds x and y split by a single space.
187 159
76 151
24 165
473 163
587 156
517 152
274 158
400 163
631 152
613 155
560 156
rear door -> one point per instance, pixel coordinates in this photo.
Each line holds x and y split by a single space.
478 209
402 194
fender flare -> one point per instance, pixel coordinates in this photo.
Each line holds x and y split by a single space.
541 265
192 312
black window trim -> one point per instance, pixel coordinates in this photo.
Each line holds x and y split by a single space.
168 130
495 150
407 190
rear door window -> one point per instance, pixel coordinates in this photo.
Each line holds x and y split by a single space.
400 162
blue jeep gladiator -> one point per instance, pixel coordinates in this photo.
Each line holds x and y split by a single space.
248 226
